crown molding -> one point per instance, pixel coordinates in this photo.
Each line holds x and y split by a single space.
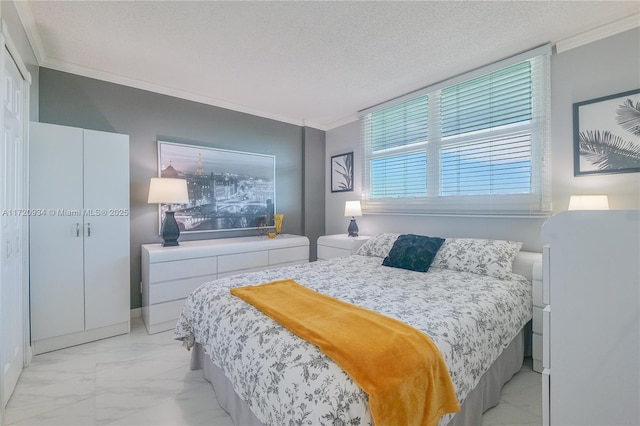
341 122
31 30
599 33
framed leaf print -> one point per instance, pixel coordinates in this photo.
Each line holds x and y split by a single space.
606 133
342 172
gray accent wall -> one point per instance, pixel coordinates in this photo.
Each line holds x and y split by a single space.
147 117
313 148
605 67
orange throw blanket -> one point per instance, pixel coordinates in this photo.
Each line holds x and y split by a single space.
398 366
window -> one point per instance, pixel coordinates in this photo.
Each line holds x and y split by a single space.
475 144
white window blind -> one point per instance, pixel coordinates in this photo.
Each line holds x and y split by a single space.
473 145
398 160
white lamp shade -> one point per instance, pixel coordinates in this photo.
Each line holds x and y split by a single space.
589 202
168 191
352 208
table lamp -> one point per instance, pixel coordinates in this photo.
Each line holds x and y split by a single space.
589 202
353 209
168 191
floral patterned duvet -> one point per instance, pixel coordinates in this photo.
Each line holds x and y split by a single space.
286 380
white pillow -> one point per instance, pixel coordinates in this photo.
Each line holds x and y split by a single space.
484 257
379 245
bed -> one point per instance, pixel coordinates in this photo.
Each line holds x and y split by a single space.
473 302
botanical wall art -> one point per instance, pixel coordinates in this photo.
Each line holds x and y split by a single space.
607 134
227 189
342 172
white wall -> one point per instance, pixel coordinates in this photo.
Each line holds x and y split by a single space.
605 67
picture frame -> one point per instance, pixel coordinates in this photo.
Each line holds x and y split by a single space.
228 190
606 134
341 170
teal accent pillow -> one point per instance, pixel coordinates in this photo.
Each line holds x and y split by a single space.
413 252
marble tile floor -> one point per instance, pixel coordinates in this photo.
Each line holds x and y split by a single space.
141 379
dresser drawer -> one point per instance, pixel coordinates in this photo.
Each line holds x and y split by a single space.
326 252
537 320
537 293
537 346
287 255
175 290
243 261
546 270
180 269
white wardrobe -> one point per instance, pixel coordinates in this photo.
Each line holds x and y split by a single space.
79 235
591 322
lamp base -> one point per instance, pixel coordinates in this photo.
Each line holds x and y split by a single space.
353 228
170 231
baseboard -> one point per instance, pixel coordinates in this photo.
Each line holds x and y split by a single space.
136 313
77 338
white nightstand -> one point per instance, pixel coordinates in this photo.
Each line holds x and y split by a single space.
340 245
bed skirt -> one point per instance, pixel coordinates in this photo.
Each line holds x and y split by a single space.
484 396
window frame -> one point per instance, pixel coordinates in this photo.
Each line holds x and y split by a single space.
536 203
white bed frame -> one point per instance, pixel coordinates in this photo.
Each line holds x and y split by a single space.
484 396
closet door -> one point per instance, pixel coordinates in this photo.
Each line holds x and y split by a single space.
12 224
56 239
106 228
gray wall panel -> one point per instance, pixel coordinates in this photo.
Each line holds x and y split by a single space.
314 200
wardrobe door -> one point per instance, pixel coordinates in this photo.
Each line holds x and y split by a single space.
106 229
56 243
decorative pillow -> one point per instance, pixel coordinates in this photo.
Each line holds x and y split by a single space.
484 257
378 246
413 252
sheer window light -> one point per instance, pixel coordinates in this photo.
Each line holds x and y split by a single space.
476 144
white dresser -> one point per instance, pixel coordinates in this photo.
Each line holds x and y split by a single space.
591 321
339 245
170 274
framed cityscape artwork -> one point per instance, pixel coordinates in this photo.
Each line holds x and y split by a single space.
606 134
227 189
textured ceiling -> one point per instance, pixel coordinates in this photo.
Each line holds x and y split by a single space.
308 63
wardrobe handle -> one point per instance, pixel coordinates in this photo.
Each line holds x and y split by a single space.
88 229
9 249
77 229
